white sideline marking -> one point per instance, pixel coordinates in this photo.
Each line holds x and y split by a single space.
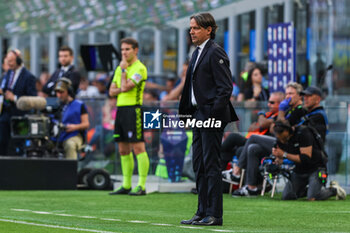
41 212
54 226
86 217
111 219
188 227
217 230
22 210
162 224
65 215
137 221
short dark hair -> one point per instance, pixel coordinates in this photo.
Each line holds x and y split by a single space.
206 20
130 41
66 48
281 126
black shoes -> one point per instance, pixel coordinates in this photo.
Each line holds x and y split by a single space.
120 190
195 218
209 221
137 191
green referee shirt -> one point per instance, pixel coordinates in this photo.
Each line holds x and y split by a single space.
137 72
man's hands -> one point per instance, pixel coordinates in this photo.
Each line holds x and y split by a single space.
123 64
284 105
10 96
114 90
277 152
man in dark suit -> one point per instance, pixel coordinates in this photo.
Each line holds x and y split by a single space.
17 82
206 95
67 70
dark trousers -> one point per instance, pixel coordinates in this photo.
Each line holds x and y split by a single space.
297 187
257 147
230 147
206 165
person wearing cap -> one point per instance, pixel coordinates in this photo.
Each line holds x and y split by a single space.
316 114
74 116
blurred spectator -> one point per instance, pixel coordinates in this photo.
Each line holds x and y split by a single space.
87 90
43 78
150 96
17 82
175 93
234 143
243 78
4 67
105 131
101 83
67 69
253 88
291 108
169 85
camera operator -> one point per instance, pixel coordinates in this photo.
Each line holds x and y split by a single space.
17 82
74 117
299 145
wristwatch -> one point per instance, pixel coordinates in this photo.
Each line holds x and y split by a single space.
285 155
123 70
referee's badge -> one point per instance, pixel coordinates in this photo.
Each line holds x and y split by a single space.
130 134
137 78
221 61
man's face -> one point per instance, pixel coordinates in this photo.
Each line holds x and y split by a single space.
11 61
311 101
292 93
198 33
62 96
283 137
128 52
65 58
273 103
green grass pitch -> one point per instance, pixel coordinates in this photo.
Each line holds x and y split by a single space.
96 211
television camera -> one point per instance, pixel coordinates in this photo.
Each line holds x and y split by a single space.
38 130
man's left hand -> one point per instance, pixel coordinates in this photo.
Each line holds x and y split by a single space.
277 152
70 128
9 96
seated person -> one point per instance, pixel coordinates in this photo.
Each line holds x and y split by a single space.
253 88
299 145
234 142
291 108
74 117
259 146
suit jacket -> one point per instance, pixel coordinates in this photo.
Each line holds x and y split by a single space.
71 74
212 86
24 86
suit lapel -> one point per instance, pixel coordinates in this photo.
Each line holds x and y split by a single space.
205 50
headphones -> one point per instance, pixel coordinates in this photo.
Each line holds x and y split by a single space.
19 60
68 83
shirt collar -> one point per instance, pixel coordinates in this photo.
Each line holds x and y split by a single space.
65 68
201 46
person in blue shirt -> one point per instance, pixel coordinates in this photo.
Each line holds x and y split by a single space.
74 116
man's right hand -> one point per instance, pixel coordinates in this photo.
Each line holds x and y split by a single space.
284 105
